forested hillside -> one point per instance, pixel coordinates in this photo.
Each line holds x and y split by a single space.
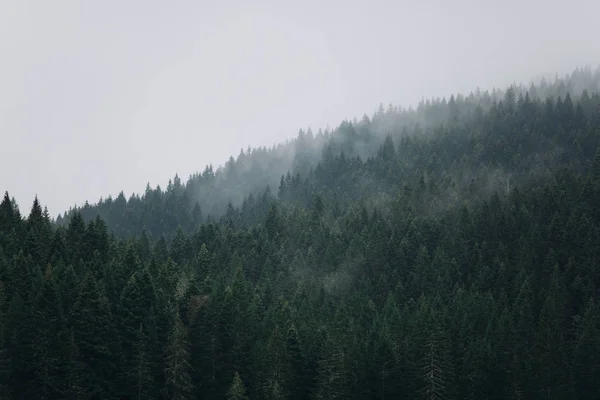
447 252
444 133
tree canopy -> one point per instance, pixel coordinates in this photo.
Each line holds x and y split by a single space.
445 252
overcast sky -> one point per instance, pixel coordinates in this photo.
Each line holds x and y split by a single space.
102 96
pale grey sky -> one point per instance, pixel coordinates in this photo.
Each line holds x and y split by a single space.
102 96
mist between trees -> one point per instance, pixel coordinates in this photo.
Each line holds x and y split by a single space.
444 252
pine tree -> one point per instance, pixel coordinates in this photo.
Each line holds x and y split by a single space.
39 233
141 369
74 237
96 339
7 217
26 285
50 363
434 367
386 352
203 267
74 386
550 341
276 367
136 311
205 350
300 384
333 382
178 367
67 285
237 391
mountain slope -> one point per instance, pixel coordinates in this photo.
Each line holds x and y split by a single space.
455 261
463 129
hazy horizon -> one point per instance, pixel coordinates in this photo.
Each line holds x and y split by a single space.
102 97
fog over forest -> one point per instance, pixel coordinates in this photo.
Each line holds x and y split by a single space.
90 90
382 200
257 172
448 251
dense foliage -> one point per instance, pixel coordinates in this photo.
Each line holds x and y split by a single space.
448 252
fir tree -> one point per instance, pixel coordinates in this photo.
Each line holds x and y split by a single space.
178 367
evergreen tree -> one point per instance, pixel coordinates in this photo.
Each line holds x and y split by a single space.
178 367
96 340
137 311
50 363
142 368
237 391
